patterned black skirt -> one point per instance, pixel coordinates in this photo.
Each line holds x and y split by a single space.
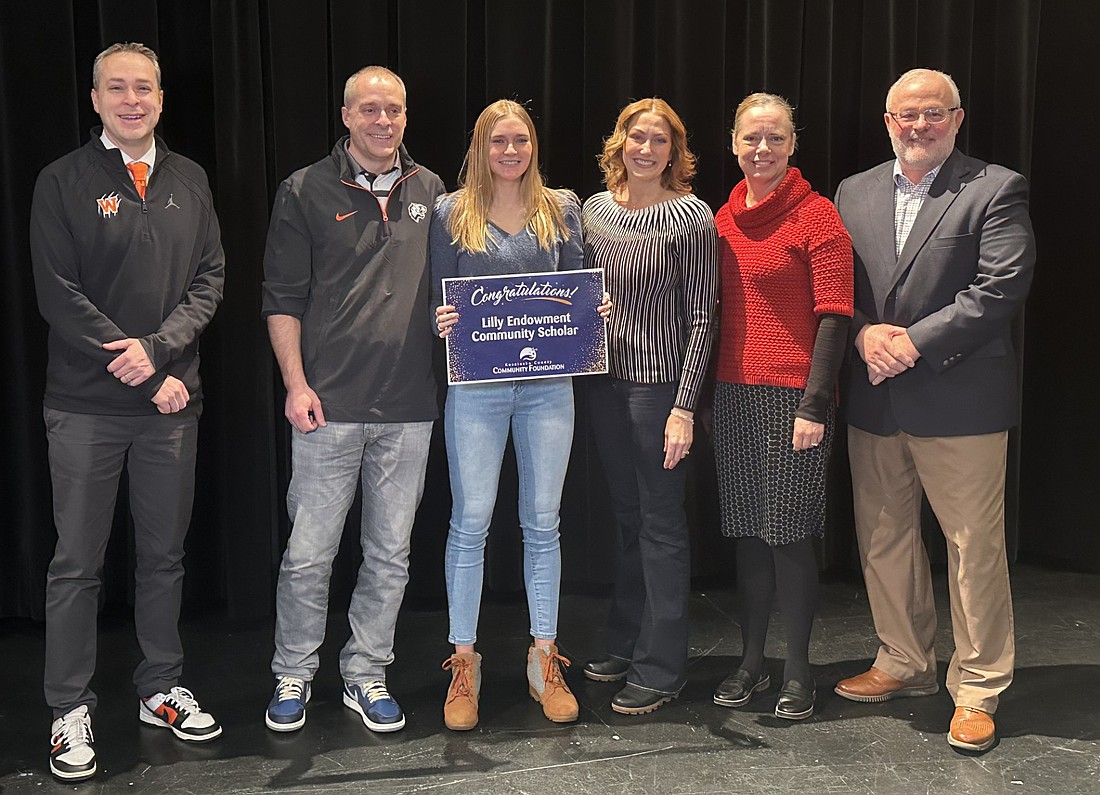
766 489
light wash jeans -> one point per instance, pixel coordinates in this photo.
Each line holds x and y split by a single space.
477 420
326 463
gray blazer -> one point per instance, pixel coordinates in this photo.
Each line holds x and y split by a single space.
961 279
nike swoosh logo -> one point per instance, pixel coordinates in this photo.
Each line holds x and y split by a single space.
342 216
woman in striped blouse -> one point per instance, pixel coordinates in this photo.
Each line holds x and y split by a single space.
657 243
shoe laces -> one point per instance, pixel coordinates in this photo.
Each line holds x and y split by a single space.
184 699
551 669
460 672
376 691
75 729
290 688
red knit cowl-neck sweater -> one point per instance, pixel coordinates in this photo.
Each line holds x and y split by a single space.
782 264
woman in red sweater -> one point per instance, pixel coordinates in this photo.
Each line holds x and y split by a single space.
785 263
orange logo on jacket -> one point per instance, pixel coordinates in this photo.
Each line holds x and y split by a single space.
108 204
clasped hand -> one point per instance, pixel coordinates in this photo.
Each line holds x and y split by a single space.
887 351
132 367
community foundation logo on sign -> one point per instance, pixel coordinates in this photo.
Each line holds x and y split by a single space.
528 354
108 205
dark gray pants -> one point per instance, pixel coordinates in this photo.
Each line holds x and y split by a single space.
86 453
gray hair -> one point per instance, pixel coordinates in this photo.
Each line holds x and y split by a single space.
913 74
130 46
377 72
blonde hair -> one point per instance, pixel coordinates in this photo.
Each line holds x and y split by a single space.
475 196
677 177
762 100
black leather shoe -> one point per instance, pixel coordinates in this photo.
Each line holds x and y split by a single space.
795 701
738 688
633 700
606 669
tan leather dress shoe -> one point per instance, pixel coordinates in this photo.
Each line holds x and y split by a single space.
874 685
972 730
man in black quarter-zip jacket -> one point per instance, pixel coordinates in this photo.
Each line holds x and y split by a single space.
346 302
128 268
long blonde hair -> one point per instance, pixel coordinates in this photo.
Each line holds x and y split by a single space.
475 196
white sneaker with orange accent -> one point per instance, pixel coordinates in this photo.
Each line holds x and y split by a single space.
72 757
179 711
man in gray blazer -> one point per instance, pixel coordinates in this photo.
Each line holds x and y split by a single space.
944 254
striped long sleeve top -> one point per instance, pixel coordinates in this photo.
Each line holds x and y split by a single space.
662 273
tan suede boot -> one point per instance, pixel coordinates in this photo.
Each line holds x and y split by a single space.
460 709
547 685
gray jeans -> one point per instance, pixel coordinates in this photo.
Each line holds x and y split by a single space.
87 452
326 464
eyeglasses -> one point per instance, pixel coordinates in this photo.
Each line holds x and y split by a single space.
931 115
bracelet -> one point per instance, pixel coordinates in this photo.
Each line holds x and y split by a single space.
680 414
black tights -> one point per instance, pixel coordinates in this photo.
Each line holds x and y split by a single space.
790 572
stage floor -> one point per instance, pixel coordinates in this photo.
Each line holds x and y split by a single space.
1048 723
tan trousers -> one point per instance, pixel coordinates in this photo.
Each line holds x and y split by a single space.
963 477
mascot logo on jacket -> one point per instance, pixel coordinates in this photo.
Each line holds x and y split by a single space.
417 211
108 204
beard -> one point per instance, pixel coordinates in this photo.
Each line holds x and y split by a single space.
924 155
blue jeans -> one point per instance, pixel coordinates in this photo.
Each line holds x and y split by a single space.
648 624
477 420
326 465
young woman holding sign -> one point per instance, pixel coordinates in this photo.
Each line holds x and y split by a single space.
504 220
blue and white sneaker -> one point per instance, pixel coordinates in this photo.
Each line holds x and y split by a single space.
375 705
286 712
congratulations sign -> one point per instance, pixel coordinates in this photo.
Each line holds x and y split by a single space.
527 325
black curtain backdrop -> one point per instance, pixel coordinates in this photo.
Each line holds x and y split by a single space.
253 91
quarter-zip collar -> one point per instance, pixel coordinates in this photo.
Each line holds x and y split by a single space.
348 173
149 158
114 160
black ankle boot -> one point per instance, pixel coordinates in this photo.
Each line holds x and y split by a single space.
606 669
633 700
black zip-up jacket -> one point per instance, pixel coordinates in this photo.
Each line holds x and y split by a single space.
109 265
357 279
